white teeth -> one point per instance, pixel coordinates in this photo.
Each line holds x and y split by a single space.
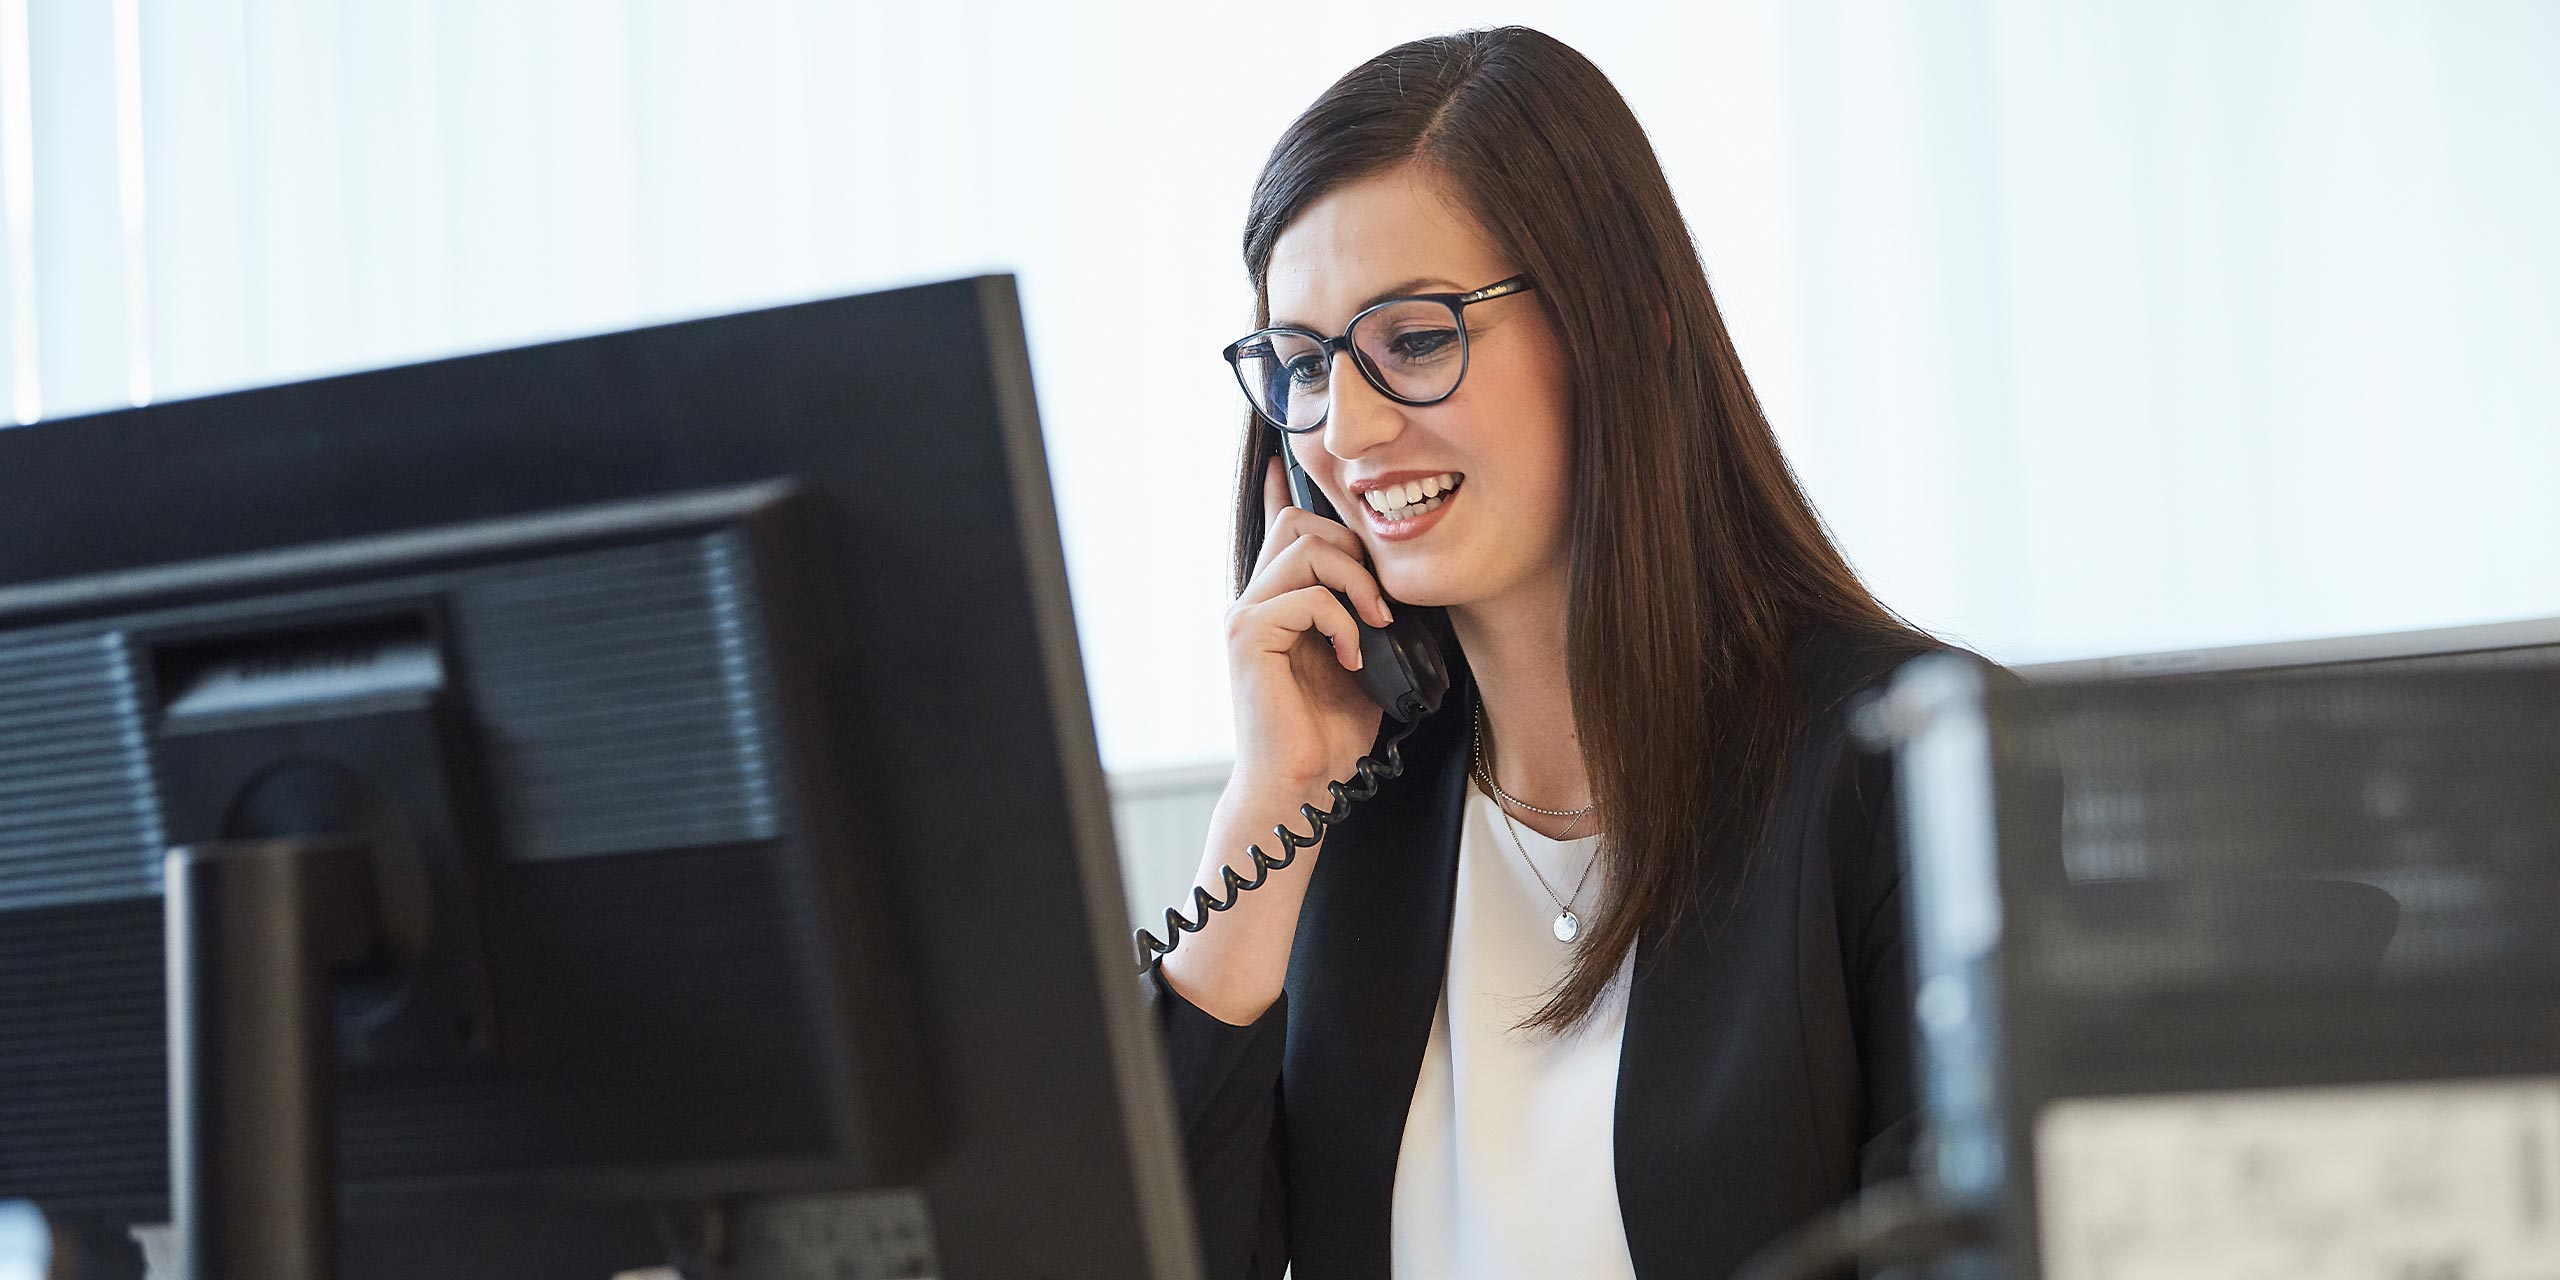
1412 498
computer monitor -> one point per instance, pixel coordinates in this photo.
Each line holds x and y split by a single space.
2524 642
2250 970
648 772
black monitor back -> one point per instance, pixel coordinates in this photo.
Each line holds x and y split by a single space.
721 678
2169 934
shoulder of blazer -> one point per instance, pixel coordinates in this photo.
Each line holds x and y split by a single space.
1831 666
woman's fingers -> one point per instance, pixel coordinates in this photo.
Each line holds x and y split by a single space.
1338 569
1275 502
1283 524
1275 497
1275 625
1314 560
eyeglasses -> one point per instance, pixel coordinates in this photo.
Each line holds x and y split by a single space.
1413 350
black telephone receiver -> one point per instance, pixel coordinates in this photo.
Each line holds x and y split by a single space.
1401 668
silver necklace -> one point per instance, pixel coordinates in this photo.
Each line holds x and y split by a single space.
1484 779
1568 926
1484 773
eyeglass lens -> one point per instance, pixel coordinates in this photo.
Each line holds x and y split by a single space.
1414 350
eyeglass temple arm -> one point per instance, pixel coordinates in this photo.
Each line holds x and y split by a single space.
1500 288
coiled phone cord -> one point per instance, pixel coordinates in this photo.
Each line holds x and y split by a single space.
1386 763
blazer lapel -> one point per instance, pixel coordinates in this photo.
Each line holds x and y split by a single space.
1364 981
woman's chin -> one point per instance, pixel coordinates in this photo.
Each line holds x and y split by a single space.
1424 590
1455 582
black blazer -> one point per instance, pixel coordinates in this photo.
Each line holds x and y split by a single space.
1765 1072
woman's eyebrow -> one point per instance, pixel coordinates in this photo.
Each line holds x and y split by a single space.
1401 288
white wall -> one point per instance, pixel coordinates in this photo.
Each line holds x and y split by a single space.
2091 327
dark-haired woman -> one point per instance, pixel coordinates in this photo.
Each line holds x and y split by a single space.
1610 981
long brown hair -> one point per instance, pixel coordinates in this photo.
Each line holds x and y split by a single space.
1695 556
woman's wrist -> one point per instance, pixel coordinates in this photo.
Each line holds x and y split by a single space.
1266 798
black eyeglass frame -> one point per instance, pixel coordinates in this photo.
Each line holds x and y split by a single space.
1457 303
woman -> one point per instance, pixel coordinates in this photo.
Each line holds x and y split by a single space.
1610 980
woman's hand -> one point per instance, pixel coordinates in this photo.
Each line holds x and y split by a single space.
1301 718
1301 721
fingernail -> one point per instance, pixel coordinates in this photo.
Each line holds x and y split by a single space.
1385 615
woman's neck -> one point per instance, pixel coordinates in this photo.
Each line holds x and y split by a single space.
1515 648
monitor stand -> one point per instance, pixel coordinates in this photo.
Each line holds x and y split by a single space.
254 929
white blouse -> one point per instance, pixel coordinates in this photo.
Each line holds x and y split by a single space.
1507 1163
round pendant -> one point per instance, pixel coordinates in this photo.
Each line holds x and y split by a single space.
1567 926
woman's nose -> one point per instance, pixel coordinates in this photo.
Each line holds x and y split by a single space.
1361 418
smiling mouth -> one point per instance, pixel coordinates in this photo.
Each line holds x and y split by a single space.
1412 498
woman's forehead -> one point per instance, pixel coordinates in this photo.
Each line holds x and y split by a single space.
1396 232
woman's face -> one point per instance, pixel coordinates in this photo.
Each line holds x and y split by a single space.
1506 434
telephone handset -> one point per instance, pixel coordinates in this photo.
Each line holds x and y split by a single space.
1402 670
1400 664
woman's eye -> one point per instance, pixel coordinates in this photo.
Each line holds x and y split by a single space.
1416 345
1306 370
